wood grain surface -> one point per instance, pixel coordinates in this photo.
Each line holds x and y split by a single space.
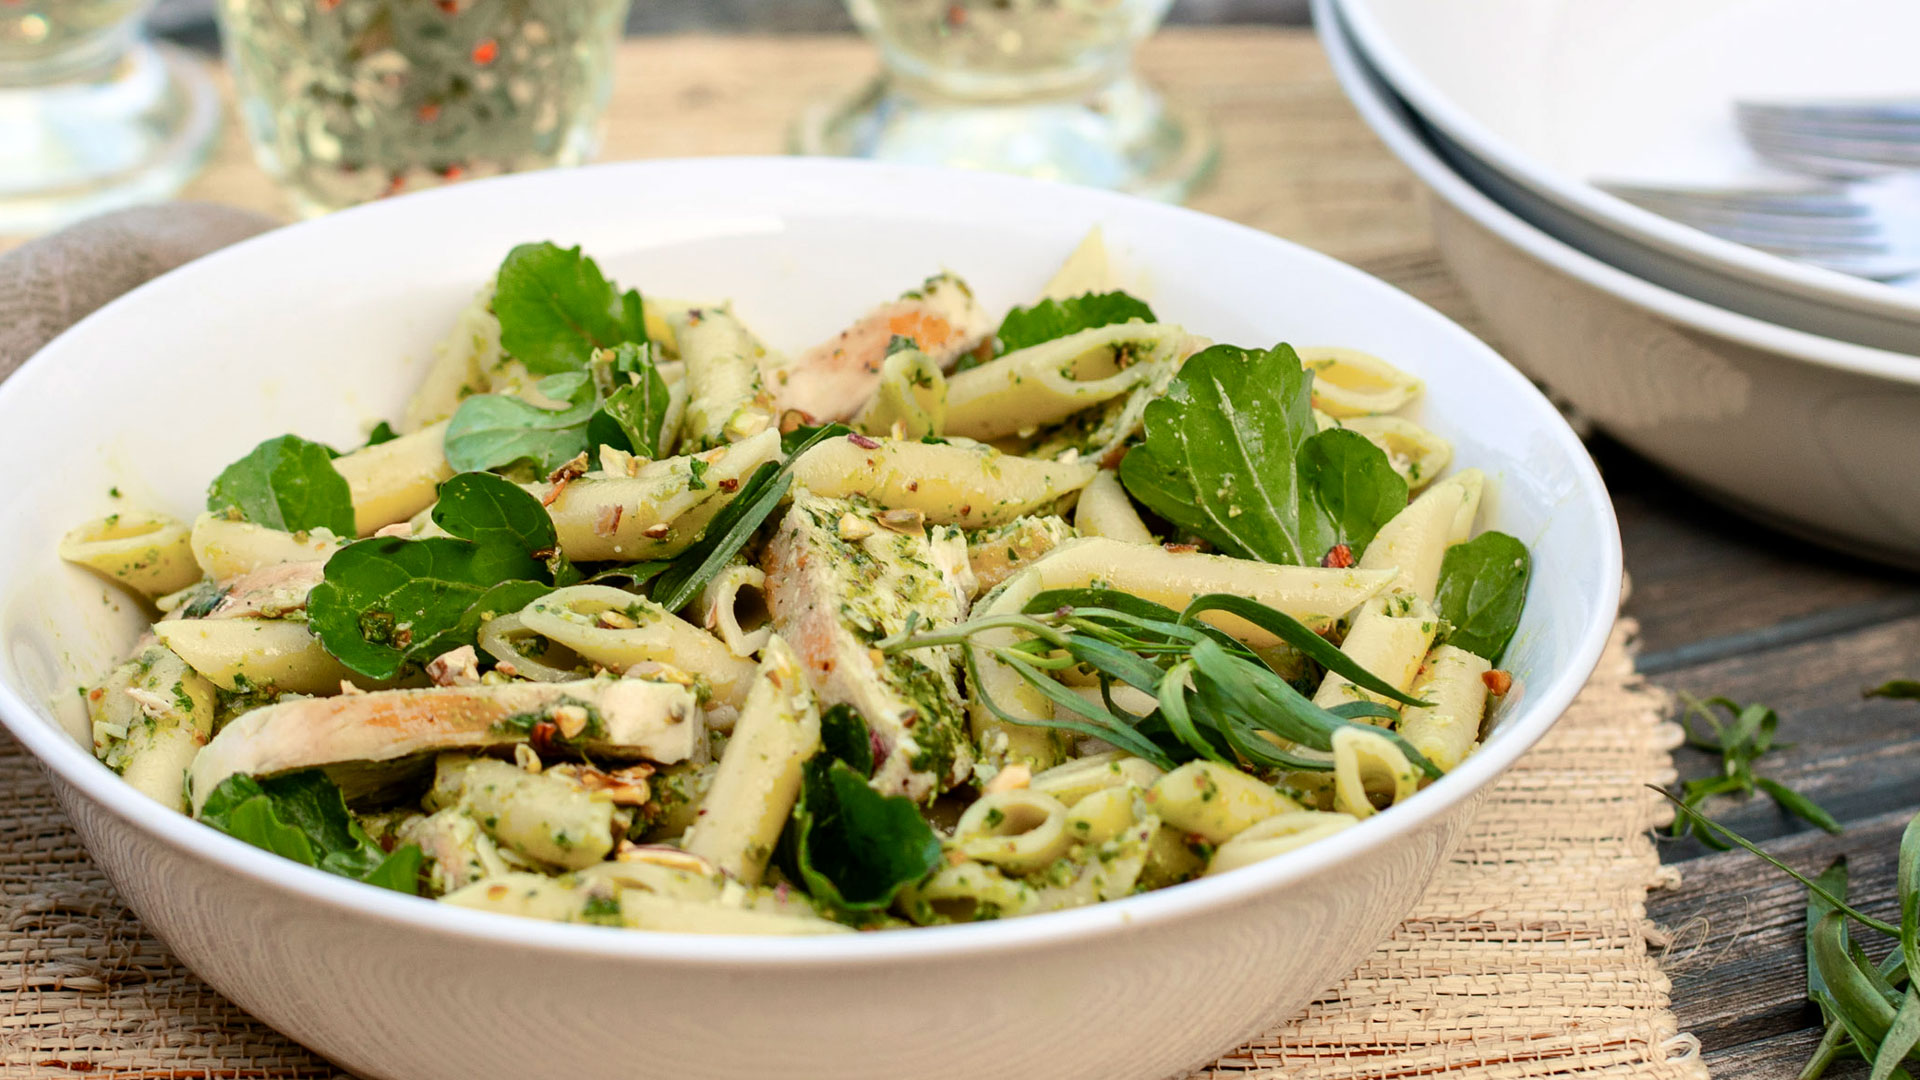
1725 606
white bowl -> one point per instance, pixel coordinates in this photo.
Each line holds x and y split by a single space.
1534 99
323 326
1814 435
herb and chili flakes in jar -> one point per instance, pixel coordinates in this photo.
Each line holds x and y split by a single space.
351 100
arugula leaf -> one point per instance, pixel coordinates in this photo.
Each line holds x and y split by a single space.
633 415
286 483
1232 454
492 431
733 526
388 602
555 308
302 816
853 847
1050 319
1483 586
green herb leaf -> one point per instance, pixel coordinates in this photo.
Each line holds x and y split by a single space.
1857 1001
1798 805
555 308
1051 319
732 527
1900 689
1231 454
491 510
633 415
1300 636
1902 1034
302 816
286 483
853 847
382 432
1483 586
493 431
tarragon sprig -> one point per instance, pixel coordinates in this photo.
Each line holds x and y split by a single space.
1217 699
1740 740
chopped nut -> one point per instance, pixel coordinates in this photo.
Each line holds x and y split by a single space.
793 420
747 422
525 757
455 667
902 521
615 461
899 430
657 531
1498 682
1011 778
623 787
571 720
879 658
1181 549
347 689
398 528
662 855
854 527
863 442
616 620
150 703
505 667
608 522
572 469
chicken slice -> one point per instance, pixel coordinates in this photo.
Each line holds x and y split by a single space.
839 580
625 718
832 380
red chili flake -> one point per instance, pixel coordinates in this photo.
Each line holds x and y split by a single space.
485 52
956 16
451 7
913 485
729 485
1112 458
863 442
1498 682
1338 557
96 694
428 113
967 509
1181 549
394 185
452 172
329 5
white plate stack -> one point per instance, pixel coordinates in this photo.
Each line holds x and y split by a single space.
1787 391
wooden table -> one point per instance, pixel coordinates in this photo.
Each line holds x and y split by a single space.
1725 606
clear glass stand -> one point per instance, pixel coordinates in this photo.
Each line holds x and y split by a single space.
1121 135
81 139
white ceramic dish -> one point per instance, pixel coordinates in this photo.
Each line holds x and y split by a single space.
1814 435
323 326
1533 99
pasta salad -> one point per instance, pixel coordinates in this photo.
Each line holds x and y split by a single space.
633 619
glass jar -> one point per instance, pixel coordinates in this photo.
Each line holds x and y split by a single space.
351 100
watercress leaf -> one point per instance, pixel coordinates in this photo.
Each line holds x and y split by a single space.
1221 452
1353 483
1798 805
493 431
1903 689
853 847
382 432
286 483
844 737
1483 586
733 526
555 308
302 816
492 510
387 601
1050 319
633 416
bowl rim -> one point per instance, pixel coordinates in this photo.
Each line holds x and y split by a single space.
1700 249
75 768
1395 121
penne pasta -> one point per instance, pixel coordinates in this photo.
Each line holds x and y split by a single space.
227 549
967 484
245 654
1024 391
1445 731
1106 510
727 400
619 631
394 480
149 553
657 513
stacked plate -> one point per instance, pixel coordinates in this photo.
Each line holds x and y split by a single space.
1785 390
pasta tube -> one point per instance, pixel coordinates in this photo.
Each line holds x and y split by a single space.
227 549
1416 539
727 400
1083 776
1214 801
539 815
733 606
759 777
1277 835
1085 271
460 364
1036 387
1366 761
658 513
150 717
1105 509
1418 455
1445 732
243 654
970 485
1019 831
149 553
394 480
1348 382
997 554
911 400
1389 638
618 630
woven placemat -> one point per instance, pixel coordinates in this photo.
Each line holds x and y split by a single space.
1529 957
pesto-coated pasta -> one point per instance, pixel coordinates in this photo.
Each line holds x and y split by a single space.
149 553
967 484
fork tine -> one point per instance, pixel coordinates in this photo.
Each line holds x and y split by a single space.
1895 112
1835 226
1823 201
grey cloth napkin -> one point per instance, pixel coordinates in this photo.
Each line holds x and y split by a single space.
47 285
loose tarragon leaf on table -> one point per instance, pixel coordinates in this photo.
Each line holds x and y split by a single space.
1740 741
1232 454
390 602
286 483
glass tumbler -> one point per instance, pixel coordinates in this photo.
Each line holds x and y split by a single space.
1038 87
351 100
92 116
